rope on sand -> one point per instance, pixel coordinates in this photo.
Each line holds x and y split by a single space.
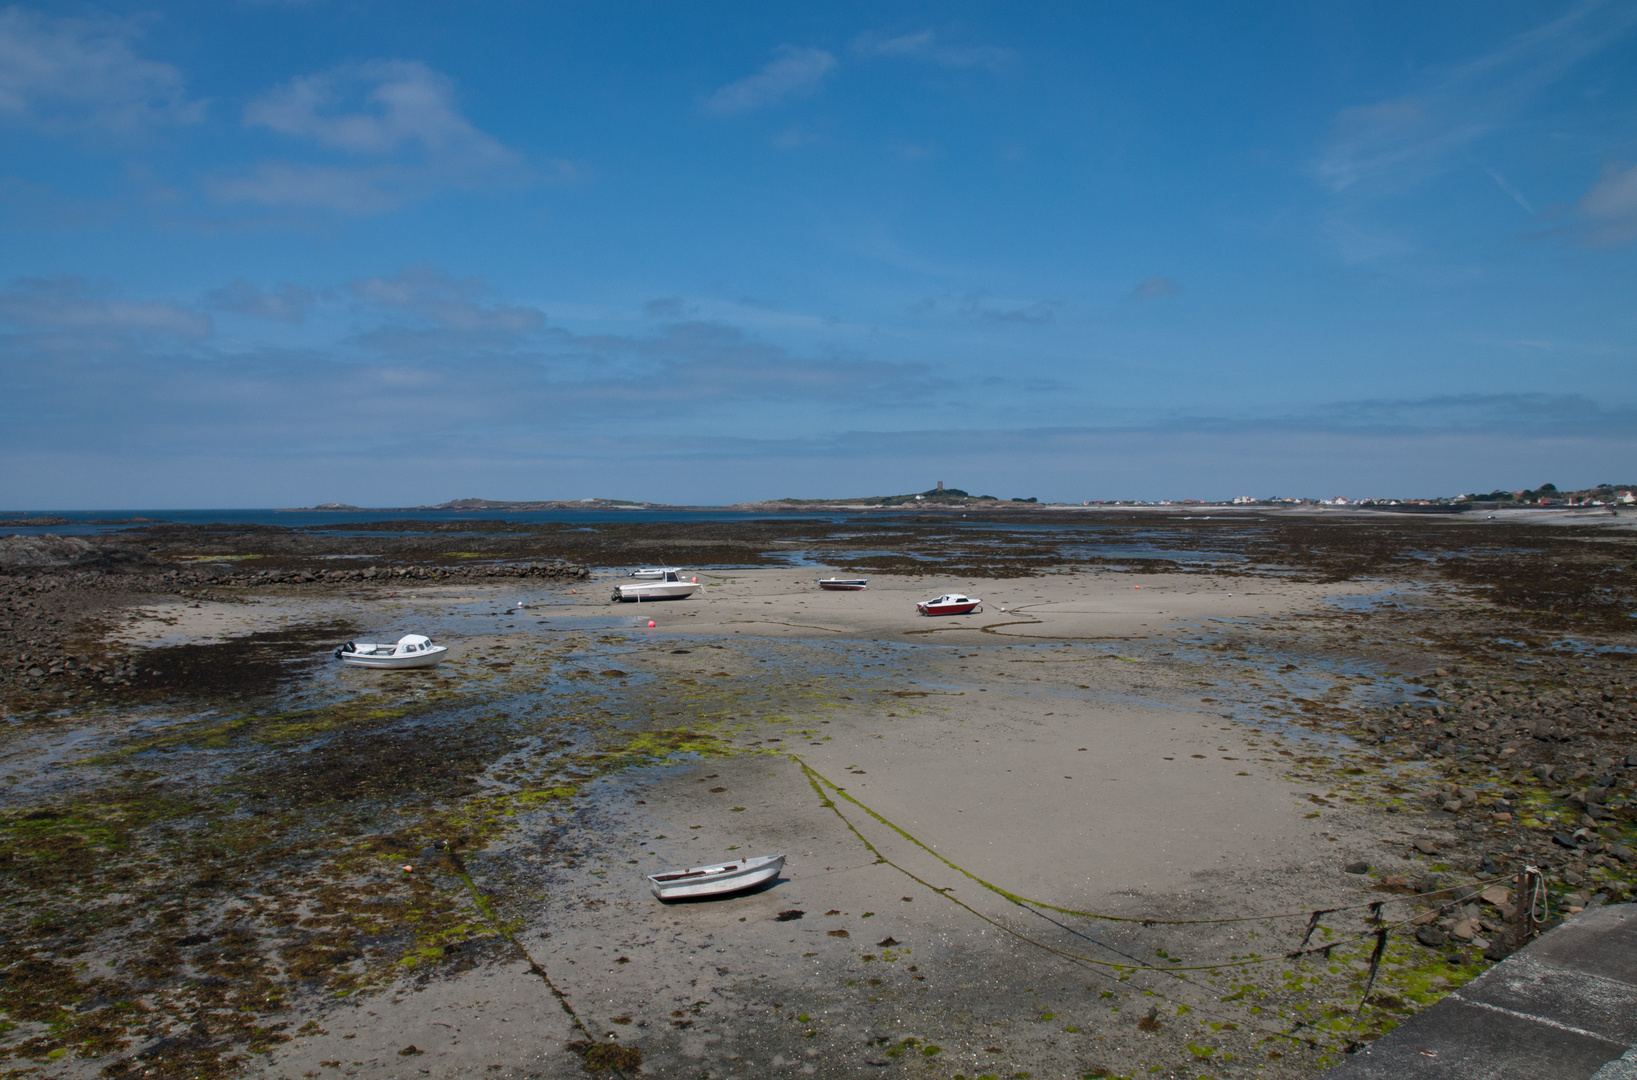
1146 921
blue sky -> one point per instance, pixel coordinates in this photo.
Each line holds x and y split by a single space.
262 253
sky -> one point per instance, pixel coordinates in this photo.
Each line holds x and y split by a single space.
258 253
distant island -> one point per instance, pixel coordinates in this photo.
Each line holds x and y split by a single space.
1546 495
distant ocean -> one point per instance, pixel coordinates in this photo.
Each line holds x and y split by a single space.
84 522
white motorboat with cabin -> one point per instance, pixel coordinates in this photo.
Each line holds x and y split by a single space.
410 651
950 604
718 879
672 586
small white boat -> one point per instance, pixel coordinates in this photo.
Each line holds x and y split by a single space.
672 586
411 651
950 604
654 573
717 879
837 584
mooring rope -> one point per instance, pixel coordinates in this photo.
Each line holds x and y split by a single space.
1380 932
1146 921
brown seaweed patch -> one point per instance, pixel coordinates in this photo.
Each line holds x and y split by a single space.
420 760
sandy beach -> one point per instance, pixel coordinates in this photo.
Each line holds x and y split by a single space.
1012 837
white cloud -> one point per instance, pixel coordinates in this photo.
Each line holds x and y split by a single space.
342 188
1401 140
288 303
981 305
925 46
443 313
70 304
376 109
398 114
1158 285
908 151
794 73
76 74
1610 209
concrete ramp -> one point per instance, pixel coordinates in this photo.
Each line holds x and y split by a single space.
1562 1008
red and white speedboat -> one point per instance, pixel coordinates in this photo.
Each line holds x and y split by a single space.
950 604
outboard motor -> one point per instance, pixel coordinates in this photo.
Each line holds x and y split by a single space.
347 648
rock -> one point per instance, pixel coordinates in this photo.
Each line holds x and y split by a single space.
1497 895
1465 930
1565 841
1621 852
1431 936
1360 867
1575 900
1426 845
1500 947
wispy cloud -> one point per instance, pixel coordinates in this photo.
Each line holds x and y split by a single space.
1511 190
288 303
396 123
924 45
430 312
1392 143
909 151
375 108
71 74
980 305
71 305
667 307
1609 209
1158 285
793 72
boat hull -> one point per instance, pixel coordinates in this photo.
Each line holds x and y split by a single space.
720 879
427 659
949 609
664 591
843 584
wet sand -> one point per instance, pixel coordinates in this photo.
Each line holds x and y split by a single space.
1048 765
398 875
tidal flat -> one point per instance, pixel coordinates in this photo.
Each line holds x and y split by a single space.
1080 833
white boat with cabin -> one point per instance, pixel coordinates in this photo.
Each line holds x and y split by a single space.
410 651
673 586
718 879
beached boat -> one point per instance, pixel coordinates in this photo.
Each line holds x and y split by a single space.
839 584
670 587
410 651
950 604
654 573
718 879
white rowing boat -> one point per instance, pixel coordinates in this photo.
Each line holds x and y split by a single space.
837 584
673 586
718 879
410 651
653 573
